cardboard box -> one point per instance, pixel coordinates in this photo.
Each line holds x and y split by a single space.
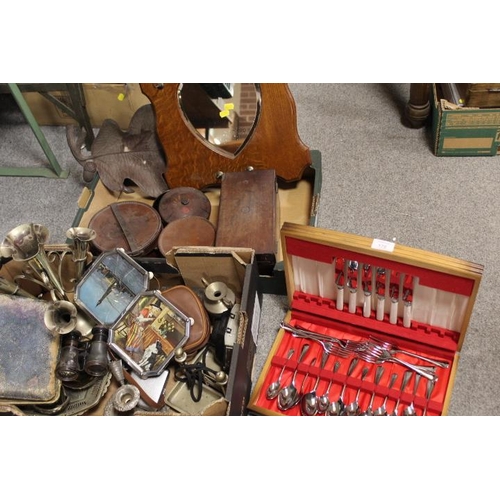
464 131
483 95
344 289
298 203
117 101
237 268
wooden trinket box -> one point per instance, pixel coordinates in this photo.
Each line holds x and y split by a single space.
397 311
248 215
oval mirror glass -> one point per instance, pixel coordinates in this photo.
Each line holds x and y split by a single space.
222 114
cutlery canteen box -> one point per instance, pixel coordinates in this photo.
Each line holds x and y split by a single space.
346 287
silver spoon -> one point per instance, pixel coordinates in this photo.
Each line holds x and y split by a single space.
304 380
335 408
404 383
430 388
410 410
378 375
324 400
310 400
289 396
275 387
352 409
381 411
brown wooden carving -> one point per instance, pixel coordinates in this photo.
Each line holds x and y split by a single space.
274 142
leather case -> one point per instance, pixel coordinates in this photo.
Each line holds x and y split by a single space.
188 302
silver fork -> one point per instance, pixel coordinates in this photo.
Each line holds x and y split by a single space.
377 357
395 350
334 345
309 334
328 347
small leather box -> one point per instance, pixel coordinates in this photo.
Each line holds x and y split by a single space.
187 301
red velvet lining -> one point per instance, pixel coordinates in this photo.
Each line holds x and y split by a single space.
367 387
324 311
428 277
321 315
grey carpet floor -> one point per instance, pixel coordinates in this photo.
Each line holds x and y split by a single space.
380 180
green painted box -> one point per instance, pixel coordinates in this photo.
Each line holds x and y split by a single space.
463 131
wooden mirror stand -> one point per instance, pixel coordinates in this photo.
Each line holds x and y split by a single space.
273 142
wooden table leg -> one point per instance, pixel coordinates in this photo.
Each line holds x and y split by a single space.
418 107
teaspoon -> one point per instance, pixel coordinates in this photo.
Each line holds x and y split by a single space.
274 387
289 396
404 383
430 388
309 402
381 411
378 375
352 409
335 408
410 410
324 400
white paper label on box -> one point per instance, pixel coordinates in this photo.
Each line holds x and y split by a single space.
386 246
256 319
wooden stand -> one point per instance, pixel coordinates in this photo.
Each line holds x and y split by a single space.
192 161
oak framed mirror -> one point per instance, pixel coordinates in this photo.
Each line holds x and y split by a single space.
201 146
